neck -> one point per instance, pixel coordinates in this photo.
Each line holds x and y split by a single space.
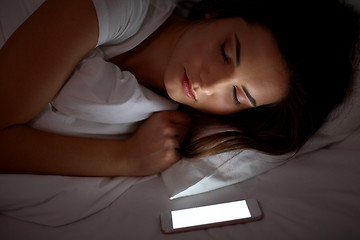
148 60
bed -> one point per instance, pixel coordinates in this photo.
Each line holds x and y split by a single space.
315 195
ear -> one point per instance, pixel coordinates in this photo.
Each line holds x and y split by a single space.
209 15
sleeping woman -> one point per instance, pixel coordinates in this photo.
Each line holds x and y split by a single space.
230 75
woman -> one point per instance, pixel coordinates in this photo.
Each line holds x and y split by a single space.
238 55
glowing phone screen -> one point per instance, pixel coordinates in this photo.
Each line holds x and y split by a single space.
210 214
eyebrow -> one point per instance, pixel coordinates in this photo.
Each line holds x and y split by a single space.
251 99
238 48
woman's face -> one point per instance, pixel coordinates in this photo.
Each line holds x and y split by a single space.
223 66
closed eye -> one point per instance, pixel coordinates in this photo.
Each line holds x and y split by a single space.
223 54
236 100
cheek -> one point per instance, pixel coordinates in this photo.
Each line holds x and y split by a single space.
172 85
216 104
197 48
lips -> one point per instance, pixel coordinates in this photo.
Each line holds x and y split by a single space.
187 87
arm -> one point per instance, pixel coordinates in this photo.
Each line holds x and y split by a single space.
34 64
39 57
29 151
150 150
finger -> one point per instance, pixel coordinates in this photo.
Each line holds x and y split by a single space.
171 154
172 143
179 132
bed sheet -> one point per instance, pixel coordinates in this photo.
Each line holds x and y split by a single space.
315 196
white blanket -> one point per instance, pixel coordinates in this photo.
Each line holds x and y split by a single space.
59 200
100 100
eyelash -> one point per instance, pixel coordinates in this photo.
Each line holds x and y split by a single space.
236 100
226 59
223 54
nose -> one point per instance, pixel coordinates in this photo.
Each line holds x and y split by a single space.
208 89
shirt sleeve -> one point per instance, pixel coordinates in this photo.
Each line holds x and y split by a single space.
119 20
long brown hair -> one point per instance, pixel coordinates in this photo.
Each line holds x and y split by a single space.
317 39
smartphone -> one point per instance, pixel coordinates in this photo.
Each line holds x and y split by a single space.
210 216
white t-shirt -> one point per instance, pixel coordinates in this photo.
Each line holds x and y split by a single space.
99 99
125 24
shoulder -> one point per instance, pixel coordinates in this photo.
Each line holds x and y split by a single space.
120 19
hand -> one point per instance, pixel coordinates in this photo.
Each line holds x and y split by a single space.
154 146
